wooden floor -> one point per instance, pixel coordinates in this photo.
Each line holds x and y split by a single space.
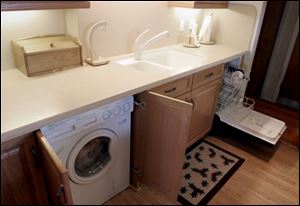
257 181
145 196
268 176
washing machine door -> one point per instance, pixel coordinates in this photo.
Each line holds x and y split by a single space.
93 156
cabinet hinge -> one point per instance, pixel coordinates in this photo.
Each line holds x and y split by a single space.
58 195
139 104
136 171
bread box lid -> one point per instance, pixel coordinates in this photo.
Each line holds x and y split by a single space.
46 44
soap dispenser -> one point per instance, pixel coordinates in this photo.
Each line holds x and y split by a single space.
191 40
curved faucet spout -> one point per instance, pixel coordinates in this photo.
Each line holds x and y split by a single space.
140 48
91 57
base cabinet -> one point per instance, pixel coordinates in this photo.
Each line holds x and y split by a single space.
201 90
159 136
204 101
21 173
32 173
55 173
165 124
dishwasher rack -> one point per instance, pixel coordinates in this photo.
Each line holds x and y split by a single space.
230 91
236 110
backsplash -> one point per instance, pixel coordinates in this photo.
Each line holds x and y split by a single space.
126 20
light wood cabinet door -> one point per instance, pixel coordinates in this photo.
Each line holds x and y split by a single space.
55 172
159 138
204 101
185 97
21 175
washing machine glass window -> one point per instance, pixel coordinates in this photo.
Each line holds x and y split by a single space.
93 157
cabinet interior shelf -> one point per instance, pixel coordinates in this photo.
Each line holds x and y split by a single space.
40 5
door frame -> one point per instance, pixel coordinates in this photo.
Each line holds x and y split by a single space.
282 52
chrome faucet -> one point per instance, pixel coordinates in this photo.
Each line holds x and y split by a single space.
138 48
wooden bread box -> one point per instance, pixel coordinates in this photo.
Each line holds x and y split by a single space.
46 54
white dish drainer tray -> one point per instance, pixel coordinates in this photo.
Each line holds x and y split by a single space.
237 111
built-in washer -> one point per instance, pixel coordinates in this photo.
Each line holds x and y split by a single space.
95 147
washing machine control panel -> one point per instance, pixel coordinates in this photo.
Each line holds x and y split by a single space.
126 107
112 111
106 114
117 110
98 115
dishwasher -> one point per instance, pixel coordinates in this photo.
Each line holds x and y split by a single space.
237 110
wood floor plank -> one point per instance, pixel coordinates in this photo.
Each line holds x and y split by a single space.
257 181
267 182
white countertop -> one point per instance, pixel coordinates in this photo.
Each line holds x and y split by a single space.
29 103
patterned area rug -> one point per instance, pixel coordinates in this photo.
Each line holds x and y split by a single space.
206 169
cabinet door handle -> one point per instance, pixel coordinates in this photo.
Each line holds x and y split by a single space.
58 195
209 75
192 102
35 156
170 90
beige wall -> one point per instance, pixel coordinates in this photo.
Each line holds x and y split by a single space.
233 26
126 20
18 24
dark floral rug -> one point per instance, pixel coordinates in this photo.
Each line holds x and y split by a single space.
206 169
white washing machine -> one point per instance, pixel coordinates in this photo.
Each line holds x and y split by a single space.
95 147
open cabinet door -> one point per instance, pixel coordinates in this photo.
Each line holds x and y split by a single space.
159 139
56 174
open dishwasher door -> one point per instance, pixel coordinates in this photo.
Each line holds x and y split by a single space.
238 111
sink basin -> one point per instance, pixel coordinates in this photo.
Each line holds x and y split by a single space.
172 58
144 65
162 61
